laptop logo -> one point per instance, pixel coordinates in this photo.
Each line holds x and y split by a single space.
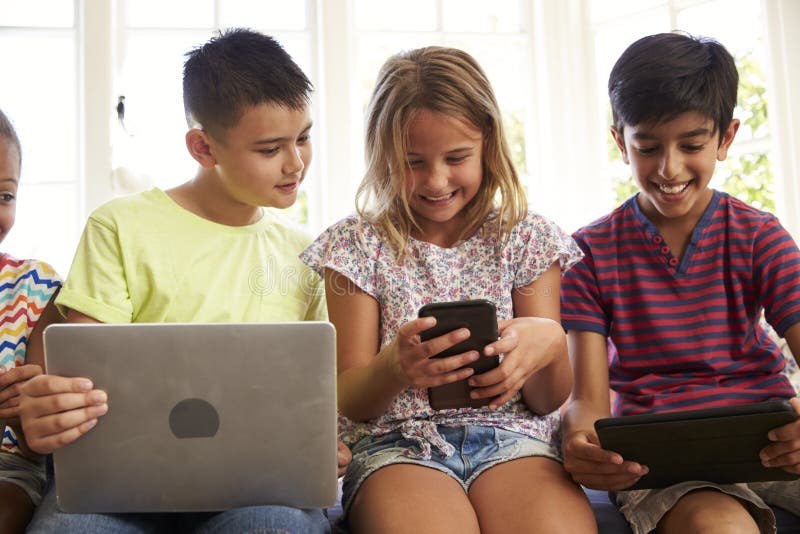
194 418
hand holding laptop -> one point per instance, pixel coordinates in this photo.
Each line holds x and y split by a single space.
57 410
11 380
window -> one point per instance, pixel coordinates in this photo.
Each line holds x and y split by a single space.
40 94
548 61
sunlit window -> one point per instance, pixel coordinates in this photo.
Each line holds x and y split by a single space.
39 93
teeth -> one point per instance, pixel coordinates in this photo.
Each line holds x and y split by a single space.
672 190
443 197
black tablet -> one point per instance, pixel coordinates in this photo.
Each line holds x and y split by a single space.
715 445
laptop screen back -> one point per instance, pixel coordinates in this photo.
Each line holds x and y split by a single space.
202 417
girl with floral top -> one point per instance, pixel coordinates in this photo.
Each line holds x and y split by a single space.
442 216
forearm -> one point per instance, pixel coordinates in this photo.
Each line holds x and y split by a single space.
367 392
580 415
547 389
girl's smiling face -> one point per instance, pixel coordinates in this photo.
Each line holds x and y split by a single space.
444 173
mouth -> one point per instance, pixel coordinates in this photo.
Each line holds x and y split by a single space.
440 198
673 189
289 187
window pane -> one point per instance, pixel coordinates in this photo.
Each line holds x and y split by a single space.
171 14
47 226
503 16
409 15
37 13
736 31
272 14
151 82
45 107
602 10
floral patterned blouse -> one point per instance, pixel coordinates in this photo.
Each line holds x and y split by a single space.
471 269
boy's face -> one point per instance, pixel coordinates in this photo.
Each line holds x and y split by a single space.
673 162
264 157
9 180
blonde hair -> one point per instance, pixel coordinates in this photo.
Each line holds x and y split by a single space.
447 81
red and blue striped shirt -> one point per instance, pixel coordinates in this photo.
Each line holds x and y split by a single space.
685 334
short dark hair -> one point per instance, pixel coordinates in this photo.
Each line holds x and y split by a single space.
663 75
8 133
236 69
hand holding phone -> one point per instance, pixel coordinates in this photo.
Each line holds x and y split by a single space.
480 318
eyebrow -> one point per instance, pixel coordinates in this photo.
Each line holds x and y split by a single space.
455 150
273 140
12 180
691 133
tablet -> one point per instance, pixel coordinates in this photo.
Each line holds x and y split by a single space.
715 444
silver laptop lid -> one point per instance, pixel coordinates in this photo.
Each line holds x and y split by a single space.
201 417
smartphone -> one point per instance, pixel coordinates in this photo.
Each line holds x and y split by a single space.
480 317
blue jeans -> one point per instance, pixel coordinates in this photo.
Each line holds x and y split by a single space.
478 448
48 519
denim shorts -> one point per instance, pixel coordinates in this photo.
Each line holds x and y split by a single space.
477 449
644 508
26 474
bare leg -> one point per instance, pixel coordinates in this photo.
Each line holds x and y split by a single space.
708 512
530 495
405 498
16 508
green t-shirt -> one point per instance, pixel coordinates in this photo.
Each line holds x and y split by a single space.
143 258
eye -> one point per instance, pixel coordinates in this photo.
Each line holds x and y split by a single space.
415 164
7 197
646 150
693 148
455 160
304 138
269 151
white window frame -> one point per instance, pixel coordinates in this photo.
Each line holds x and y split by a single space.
563 116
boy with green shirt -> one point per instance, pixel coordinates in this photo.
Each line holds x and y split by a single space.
205 251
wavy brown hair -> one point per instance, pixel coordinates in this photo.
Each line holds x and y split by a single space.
447 81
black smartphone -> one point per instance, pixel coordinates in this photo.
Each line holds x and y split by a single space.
480 317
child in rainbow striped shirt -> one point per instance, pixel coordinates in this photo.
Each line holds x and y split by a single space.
26 291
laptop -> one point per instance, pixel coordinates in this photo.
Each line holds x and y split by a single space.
202 417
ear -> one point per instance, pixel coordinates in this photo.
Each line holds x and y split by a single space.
727 139
197 143
619 139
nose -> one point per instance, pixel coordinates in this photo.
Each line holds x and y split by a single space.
293 164
671 164
436 179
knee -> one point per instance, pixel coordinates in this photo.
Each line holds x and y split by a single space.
727 515
16 508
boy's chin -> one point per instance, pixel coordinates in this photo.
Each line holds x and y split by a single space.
280 203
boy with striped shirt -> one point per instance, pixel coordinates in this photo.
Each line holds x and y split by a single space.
664 309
